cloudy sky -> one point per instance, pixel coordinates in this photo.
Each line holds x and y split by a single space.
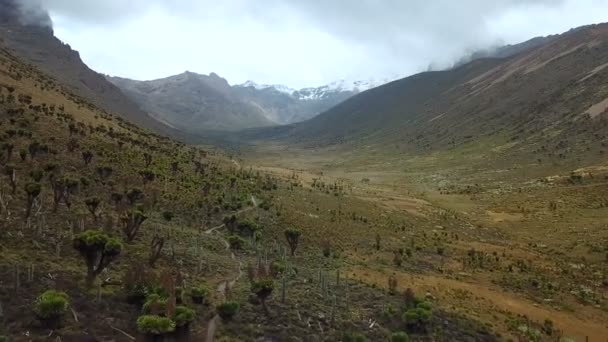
301 42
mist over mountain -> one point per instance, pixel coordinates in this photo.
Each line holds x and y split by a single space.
25 12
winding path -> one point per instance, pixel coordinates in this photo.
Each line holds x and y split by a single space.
226 285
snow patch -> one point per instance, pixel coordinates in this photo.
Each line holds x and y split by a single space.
319 93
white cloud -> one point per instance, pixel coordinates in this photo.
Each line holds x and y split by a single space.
301 42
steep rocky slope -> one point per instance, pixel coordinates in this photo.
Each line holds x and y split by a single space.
31 37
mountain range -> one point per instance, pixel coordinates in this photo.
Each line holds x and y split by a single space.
198 103
181 105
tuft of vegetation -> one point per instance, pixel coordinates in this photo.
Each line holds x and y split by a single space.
227 310
199 294
51 305
183 316
155 325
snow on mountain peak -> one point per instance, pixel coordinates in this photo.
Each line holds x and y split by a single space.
316 93
277 87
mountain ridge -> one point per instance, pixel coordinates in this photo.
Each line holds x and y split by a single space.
236 107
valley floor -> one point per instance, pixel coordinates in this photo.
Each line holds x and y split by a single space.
514 254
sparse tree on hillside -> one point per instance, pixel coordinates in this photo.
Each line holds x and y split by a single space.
174 167
156 248
87 157
263 288
34 148
11 172
8 148
147 159
33 191
134 195
37 175
104 172
398 258
92 204
147 176
293 238
98 251
116 198
392 285
62 189
231 223
131 224
378 241
72 145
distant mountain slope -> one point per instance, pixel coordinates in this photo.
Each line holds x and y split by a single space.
552 97
199 103
283 105
194 103
33 40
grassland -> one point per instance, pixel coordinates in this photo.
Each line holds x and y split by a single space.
517 245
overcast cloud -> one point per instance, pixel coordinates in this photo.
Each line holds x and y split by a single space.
301 42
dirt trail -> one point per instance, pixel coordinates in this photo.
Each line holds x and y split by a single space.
227 284
578 326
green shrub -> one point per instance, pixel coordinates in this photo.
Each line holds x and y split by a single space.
425 306
155 325
51 304
277 268
418 316
227 310
400 337
154 305
199 293
248 227
183 316
3 339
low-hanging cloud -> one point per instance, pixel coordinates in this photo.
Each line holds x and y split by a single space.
301 42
